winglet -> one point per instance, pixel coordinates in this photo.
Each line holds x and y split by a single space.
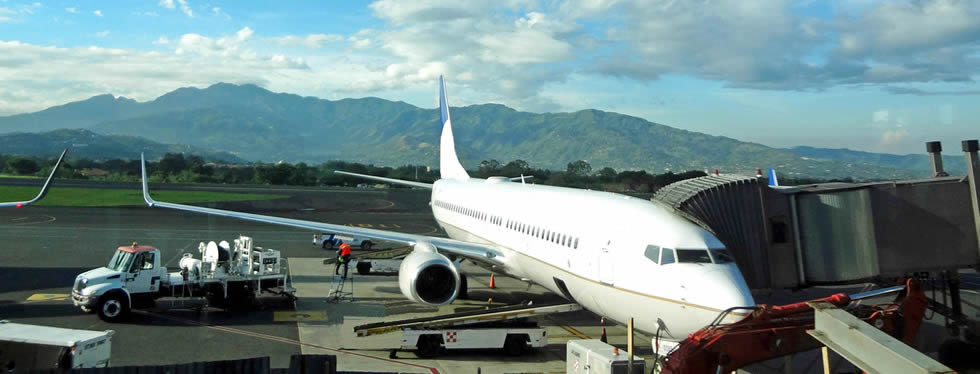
44 188
449 166
772 178
146 187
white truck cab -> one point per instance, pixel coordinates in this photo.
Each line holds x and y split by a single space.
134 272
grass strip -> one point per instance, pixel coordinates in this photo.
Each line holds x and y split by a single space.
78 196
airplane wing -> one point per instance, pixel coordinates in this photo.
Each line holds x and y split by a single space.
388 180
44 188
472 251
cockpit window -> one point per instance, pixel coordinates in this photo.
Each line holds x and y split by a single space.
653 253
722 256
695 256
666 256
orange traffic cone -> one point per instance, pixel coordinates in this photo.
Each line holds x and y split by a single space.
492 283
603 337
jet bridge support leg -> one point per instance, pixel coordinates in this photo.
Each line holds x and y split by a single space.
867 347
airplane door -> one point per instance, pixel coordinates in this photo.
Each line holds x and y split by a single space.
606 264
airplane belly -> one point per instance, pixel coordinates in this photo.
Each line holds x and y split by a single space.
617 304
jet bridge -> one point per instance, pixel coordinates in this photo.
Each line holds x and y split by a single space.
834 233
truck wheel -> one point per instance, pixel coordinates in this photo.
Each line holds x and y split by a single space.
113 307
366 245
363 267
515 345
428 346
327 244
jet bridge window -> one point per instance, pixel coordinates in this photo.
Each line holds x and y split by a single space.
696 256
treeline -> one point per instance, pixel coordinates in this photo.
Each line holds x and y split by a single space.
178 168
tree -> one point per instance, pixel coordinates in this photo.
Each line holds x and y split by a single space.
579 168
23 166
515 168
607 174
172 163
489 167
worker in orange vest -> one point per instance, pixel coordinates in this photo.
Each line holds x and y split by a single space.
343 257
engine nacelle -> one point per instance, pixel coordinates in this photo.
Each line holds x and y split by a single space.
427 277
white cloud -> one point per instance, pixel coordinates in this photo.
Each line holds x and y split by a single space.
149 14
45 76
29 8
71 10
97 13
184 7
162 40
312 41
879 117
6 15
102 34
169 4
893 137
510 47
220 13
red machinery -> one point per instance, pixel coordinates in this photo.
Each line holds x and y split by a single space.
774 331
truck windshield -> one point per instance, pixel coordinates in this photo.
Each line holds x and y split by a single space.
120 261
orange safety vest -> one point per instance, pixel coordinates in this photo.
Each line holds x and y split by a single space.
344 249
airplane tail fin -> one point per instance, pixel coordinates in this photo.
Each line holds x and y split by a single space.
772 178
449 166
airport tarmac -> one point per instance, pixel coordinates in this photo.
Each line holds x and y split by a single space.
44 248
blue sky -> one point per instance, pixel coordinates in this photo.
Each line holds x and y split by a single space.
881 76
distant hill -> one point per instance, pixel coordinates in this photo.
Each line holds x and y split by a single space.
952 164
260 125
87 144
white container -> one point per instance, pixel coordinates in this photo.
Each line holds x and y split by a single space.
592 356
42 347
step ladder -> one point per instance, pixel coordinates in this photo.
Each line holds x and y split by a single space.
343 289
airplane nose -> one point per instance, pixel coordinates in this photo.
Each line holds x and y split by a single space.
726 288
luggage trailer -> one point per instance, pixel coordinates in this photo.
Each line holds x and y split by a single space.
507 328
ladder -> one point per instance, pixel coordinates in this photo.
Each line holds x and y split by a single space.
343 289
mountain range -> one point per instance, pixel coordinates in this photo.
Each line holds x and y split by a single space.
254 124
87 144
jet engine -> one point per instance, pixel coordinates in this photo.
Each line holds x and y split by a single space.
427 277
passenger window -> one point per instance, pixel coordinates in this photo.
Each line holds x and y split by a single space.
652 252
696 256
576 243
666 256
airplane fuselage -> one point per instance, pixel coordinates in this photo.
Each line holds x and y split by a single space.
599 249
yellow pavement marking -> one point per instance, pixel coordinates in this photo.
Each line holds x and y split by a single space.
48 296
299 316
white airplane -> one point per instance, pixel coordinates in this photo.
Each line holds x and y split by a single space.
44 188
617 256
